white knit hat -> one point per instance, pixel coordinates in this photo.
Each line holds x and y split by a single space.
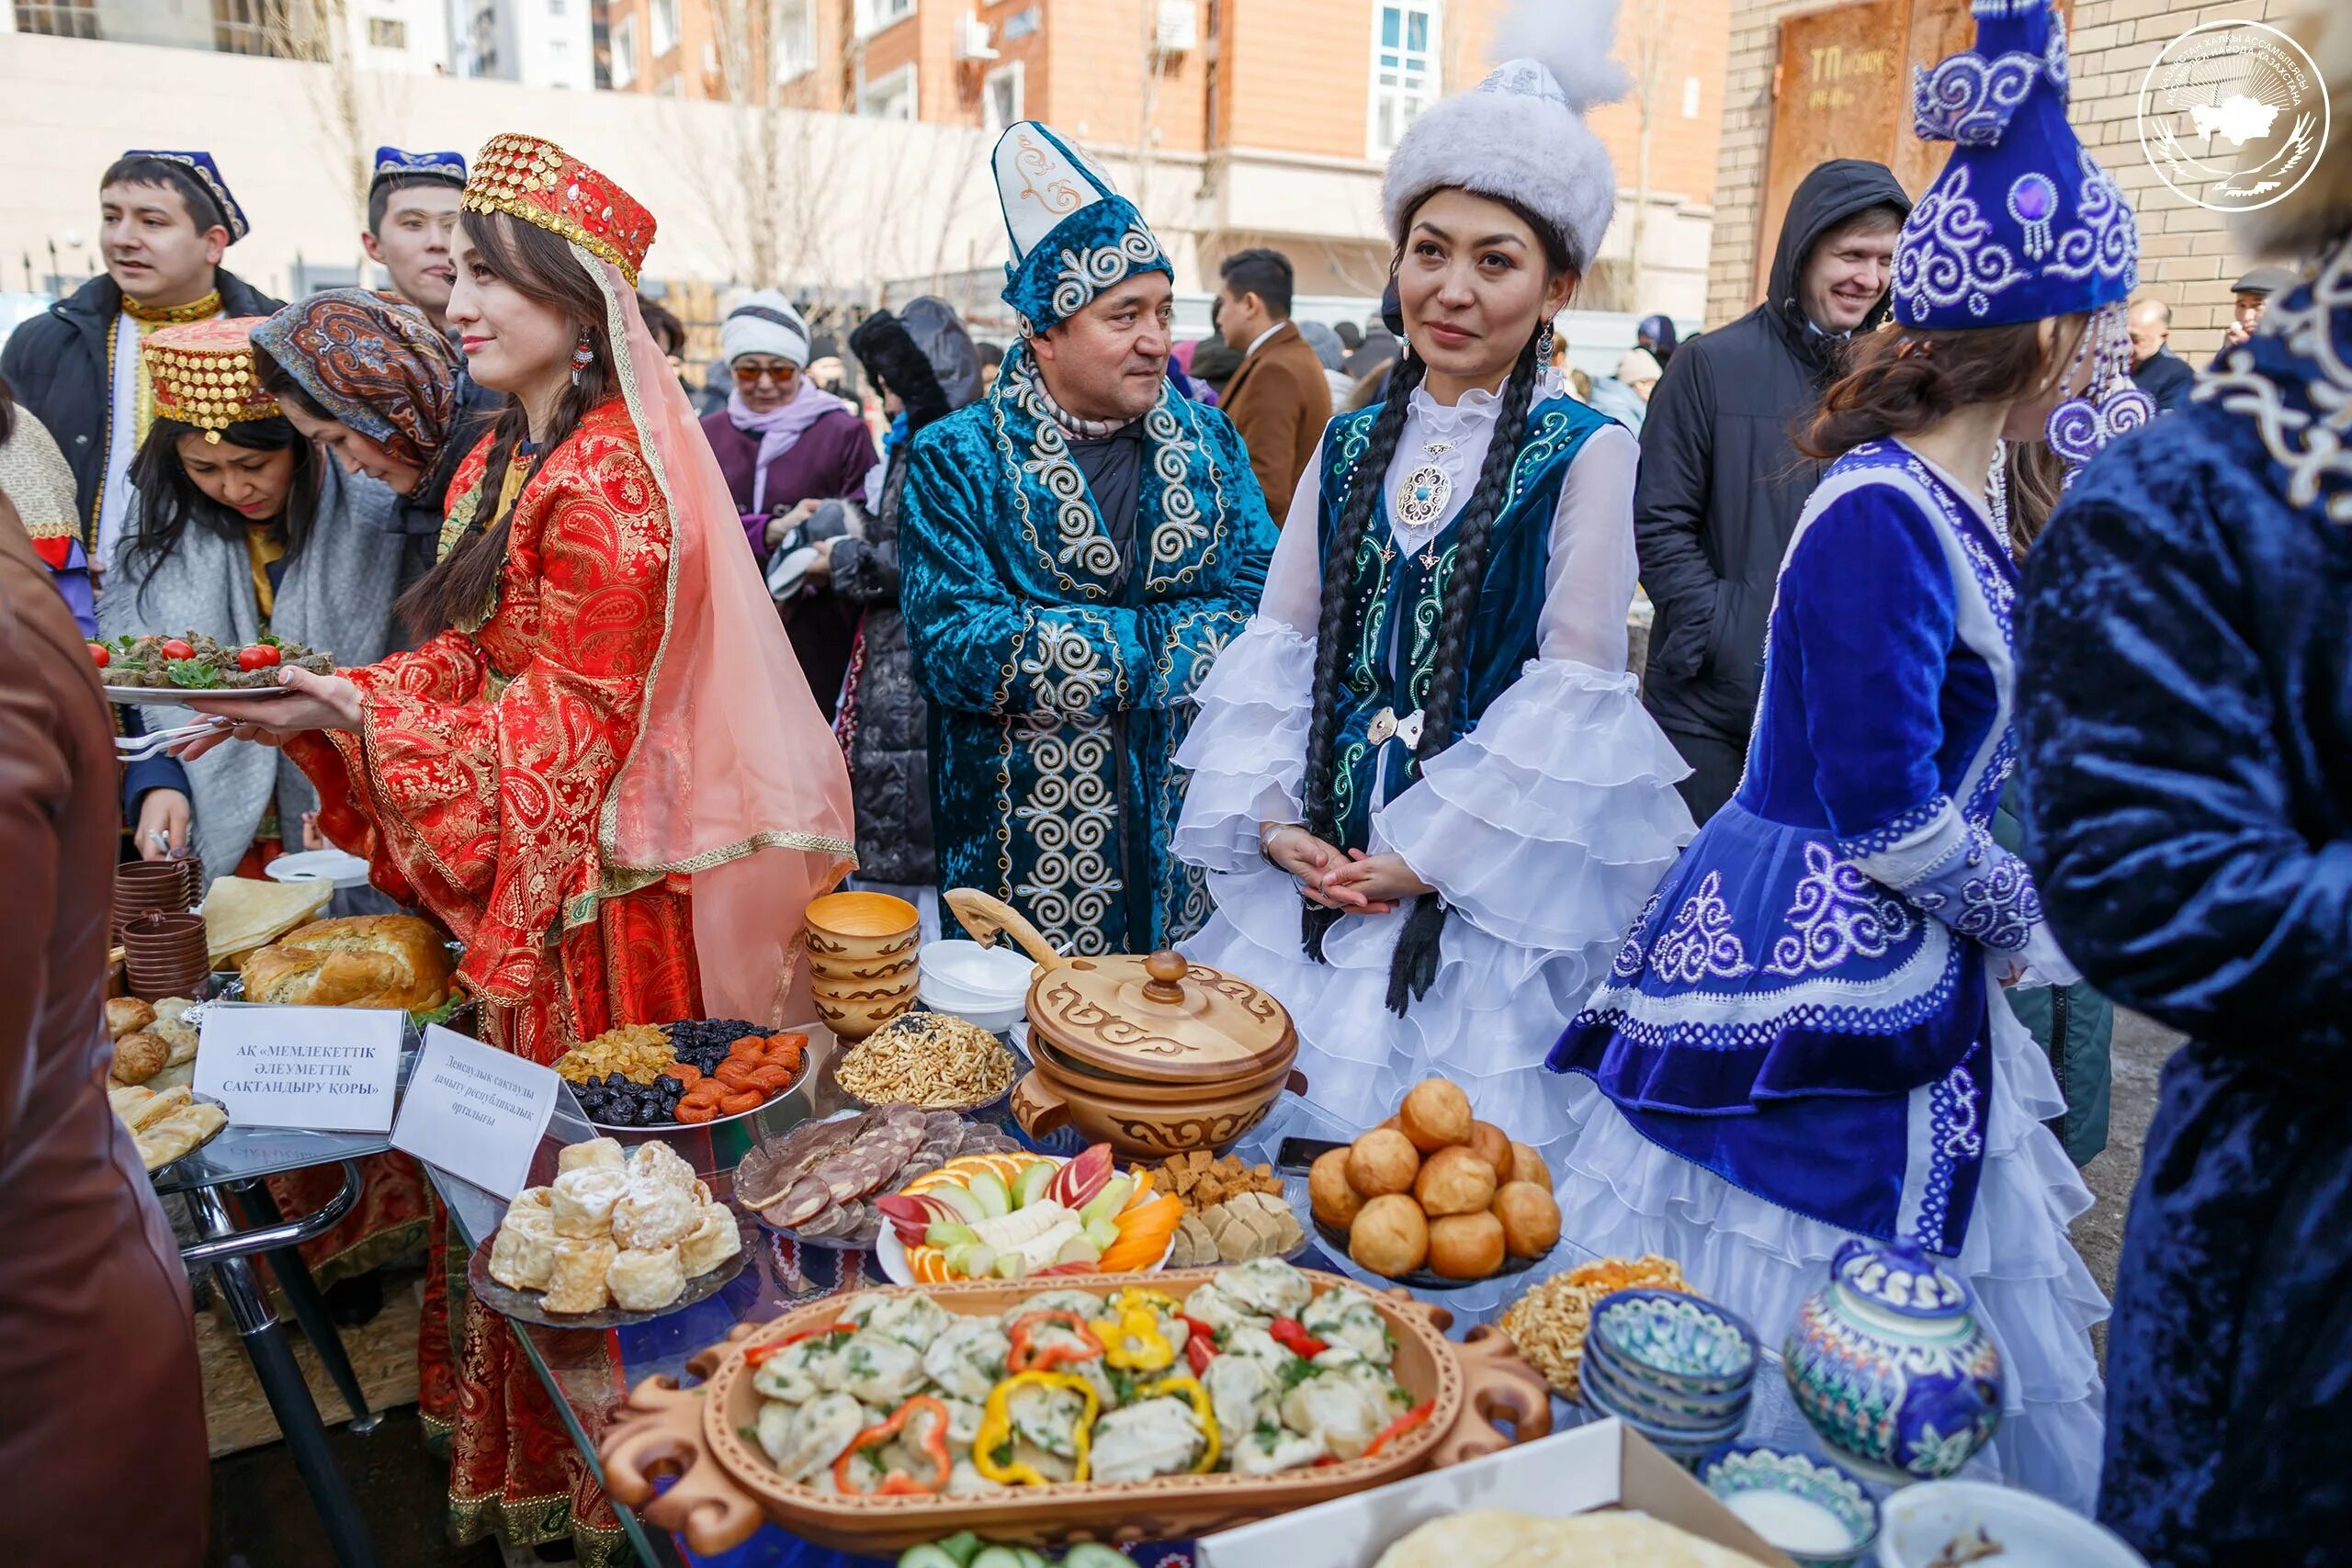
764 322
1520 133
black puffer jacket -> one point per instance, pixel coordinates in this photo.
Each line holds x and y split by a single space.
923 355
57 364
1722 483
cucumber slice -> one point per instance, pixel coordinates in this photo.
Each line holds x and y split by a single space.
1092 1555
997 1557
961 1546
928 1556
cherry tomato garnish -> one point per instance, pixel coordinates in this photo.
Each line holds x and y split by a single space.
98 654
177 648
257 656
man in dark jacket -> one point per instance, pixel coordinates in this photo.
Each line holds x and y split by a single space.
1721 481
2155 368
165 220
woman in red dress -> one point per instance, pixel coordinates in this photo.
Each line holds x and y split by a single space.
601 768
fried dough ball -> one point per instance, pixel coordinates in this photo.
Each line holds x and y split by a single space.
1435 1113
1454 1181
1335 1202
1530 1216
1467 1247
1491 1144
1381 1162
1526 1165
1390 1236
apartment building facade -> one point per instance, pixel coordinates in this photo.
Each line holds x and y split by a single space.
1234 122
1807 82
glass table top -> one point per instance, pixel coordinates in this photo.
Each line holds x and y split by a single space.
244 1153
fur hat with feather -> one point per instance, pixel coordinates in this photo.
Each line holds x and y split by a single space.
1520 134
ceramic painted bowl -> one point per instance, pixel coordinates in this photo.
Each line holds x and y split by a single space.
1809 1509
1676 1342
1684 1446
1652 1410
1671 1405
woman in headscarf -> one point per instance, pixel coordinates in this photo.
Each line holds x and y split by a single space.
1422 778
925 362
602 768
367 378
785 444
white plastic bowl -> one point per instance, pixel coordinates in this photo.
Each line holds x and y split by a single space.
996 1018
976 973
2033 1532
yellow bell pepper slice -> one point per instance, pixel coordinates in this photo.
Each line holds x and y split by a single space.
1133 1342
996 1429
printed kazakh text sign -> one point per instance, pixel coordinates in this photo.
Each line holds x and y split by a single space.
326 1069
476 1112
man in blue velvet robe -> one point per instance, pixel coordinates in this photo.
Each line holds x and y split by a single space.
1076 548
2185 705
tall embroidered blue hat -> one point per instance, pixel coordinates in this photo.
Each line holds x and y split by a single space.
206 173
391 163
2022 224
1073 236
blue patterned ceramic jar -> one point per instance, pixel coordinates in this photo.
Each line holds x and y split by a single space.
1889 1364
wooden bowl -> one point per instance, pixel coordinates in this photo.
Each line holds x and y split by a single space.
725 1488
855 1012
862 927
1142 1121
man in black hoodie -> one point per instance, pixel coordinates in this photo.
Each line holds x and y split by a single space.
1722 483
165 220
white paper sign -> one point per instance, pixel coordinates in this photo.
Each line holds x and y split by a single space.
325 1070
476 1112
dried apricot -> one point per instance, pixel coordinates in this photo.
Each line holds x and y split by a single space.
750 1099
686 1073
734 1071
691 1111
771 1077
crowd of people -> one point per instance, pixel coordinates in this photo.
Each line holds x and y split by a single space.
1306 649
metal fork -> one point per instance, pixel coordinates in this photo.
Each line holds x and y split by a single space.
139 748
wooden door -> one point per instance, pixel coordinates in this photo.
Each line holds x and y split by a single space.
1839 89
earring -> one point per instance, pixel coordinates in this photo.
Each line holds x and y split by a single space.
1544 340
2110 403
583 355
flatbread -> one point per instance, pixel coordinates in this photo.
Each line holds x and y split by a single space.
1491 1537
242 913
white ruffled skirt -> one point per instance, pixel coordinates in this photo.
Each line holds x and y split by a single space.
1622 1195
1545 828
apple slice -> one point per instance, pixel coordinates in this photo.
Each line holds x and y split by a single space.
1080 1248
1031 1184
945 1234
995 1198
1080 1179
964 1208
1009 1266
1107 1201
973 1260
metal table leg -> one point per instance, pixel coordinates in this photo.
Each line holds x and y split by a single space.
309 1306
281 1378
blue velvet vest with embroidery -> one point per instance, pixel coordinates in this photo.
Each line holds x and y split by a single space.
1390 657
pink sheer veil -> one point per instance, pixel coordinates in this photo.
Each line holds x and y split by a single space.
736 780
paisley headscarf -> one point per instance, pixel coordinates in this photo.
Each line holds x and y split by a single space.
374 362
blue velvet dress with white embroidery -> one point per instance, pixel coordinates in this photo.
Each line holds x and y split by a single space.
1807 1014
1060 670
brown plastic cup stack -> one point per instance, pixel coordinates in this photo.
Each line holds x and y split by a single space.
148 885
164 955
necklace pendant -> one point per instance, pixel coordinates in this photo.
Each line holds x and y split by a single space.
1421 496
1428 558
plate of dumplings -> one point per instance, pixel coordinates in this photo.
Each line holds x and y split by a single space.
619 1237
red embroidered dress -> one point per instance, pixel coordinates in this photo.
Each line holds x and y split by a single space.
476 786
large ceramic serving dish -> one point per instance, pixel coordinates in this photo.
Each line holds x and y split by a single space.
725 1488
1153 1054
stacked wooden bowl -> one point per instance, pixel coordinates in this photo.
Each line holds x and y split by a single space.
862 951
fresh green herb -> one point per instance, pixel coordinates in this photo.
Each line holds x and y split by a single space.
1223 1335
193 674
445 1012
861 1363
1293 1372
749 1434
1268 1431
1001 1455
1123 1385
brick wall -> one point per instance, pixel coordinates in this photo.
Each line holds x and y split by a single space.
2187 256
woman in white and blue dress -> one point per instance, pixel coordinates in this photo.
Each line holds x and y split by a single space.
1804 1038
1422 780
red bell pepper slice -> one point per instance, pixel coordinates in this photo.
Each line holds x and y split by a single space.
1402 1424
898 1483
758 1353
1288 1333
1023 1357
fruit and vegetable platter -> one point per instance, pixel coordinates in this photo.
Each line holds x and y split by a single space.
1012 1215
153 668
1032 1413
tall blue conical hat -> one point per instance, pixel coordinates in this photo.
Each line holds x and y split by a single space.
2022 223
1073 236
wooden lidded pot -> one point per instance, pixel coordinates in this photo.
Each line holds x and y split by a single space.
1154 1054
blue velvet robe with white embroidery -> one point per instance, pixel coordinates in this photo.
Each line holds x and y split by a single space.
1802 1008
2186 711
1059 673
1400 596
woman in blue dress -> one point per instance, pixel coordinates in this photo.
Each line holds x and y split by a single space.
1421 778
1804 1038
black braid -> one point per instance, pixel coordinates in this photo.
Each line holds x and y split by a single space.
1338 622
1413 968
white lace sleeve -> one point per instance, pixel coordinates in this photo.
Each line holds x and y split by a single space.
1293 593
1550 822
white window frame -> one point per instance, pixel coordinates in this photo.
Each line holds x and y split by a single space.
892 83
879 15
1015 72
796 43
621 50
396 26
663 36
1434 84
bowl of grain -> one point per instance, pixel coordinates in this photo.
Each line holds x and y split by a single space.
934 1060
